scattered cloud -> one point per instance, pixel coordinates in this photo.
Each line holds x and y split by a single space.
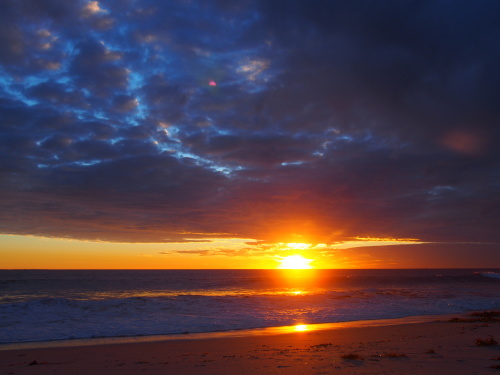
91 8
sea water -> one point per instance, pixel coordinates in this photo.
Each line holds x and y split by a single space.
45 305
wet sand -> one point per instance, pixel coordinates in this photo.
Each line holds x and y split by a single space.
438 347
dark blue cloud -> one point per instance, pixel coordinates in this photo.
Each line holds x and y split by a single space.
159 121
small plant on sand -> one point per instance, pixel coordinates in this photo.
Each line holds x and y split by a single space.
394 355
322 345
352 357
486 342
484 316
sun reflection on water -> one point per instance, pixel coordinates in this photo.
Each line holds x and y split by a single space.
298 282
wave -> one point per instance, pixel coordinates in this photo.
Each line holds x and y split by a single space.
65 318
168 302
492 275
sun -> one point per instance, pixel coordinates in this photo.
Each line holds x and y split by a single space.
295 262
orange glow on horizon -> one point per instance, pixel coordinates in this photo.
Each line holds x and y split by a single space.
31 252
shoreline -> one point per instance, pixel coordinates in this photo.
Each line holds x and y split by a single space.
409 348
244 332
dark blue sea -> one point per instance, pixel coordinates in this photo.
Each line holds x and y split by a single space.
46 305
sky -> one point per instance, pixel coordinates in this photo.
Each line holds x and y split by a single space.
229 134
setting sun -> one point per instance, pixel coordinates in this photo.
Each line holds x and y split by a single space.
295 262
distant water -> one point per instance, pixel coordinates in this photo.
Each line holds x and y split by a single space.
52 305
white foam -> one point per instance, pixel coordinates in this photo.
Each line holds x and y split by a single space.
492 275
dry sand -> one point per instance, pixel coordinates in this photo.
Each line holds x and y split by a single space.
421 348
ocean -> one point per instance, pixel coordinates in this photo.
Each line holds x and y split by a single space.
47 305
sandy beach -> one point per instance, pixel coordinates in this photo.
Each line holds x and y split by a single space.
466 346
